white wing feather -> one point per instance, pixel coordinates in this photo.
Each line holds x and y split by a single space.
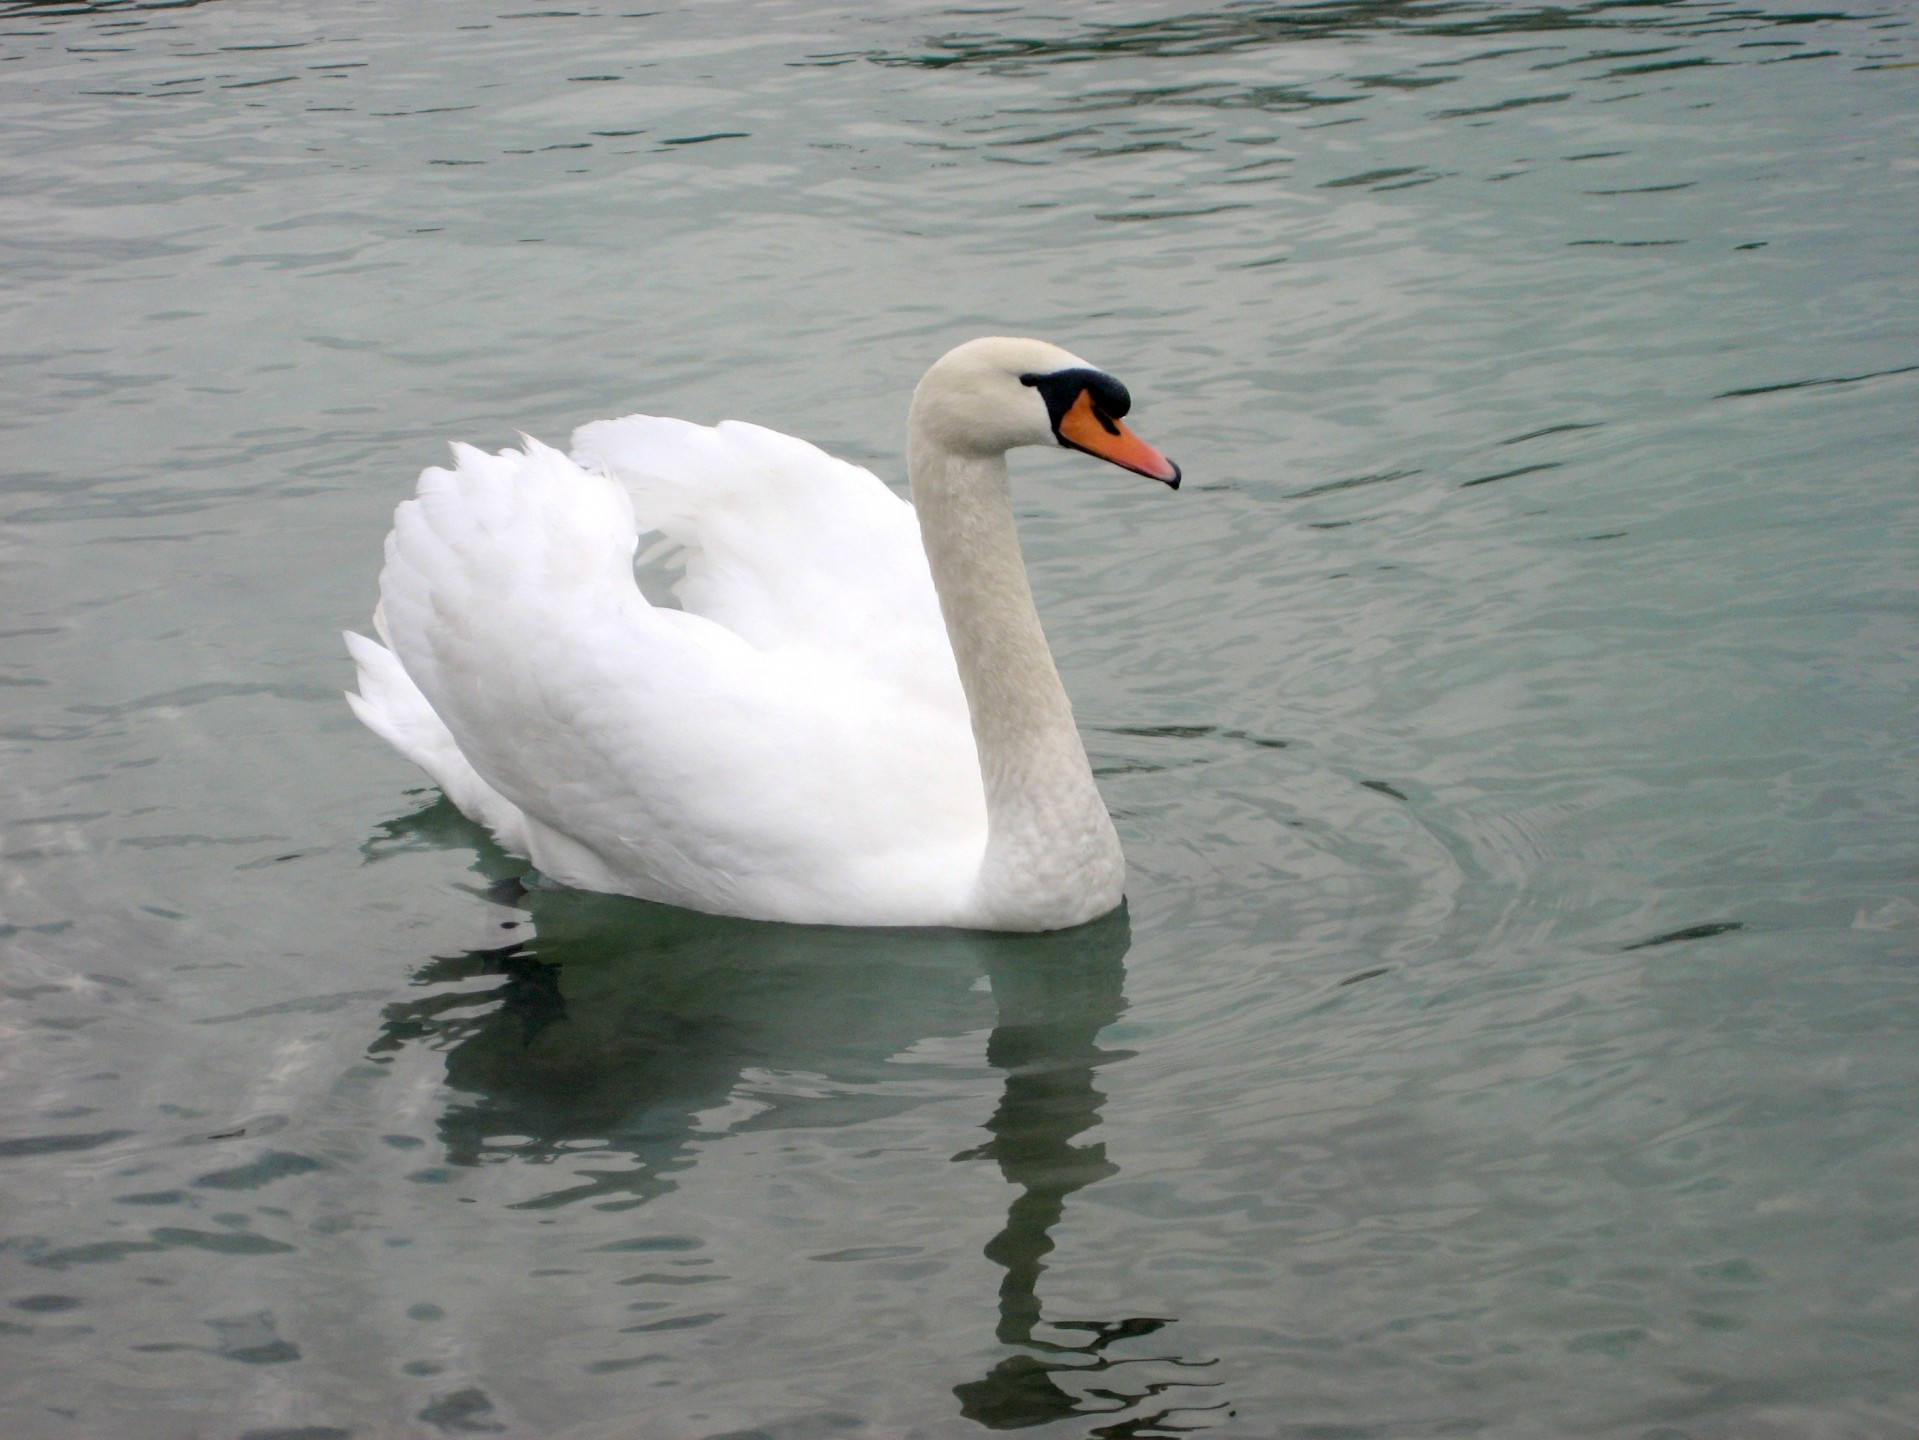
794 744
786 546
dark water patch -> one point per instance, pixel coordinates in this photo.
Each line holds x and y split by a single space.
1691 932
1596 56
1646 189
1139 147
1270 162
1353 482
867 1252
1369 177
614 1367
1192 732
274 1165
271 860
1814 384
1403 82
51 927
652 1242
1552 430
1365 975
252 1340
31 1145
677 1322
300 1432
1660 66
1384 789
1519 102
466 1411
99 1252
219 1242
47 1304
1627 244
1512 474
1236 29
1260 742
703 139
1123 216
1079 132
1271 99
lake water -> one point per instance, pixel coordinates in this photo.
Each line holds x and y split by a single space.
1511 1028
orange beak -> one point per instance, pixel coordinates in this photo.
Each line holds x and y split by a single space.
1086 427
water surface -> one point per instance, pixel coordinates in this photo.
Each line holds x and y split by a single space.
1510 1031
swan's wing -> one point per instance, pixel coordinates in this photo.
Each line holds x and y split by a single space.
656 752
785 545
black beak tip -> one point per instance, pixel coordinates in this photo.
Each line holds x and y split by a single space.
1173 482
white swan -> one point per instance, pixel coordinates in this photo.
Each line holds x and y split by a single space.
854 719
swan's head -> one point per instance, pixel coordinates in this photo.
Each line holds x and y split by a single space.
989 395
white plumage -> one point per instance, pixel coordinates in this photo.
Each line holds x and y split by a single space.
795 743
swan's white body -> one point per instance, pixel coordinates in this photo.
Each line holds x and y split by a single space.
853 718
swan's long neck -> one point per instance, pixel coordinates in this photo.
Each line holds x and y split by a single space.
1052 858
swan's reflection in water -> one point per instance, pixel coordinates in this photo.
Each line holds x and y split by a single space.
603 1027
1053 995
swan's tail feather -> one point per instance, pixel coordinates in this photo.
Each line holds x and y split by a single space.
392 707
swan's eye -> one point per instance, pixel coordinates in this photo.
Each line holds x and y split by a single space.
1108 394
1062 387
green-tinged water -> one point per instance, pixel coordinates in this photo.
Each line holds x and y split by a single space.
1511 1031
